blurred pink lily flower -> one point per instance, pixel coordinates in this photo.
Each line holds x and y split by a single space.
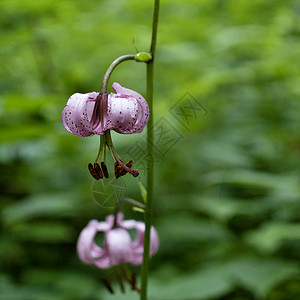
118 246
125 112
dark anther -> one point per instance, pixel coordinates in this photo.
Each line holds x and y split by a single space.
118 169
104 169
133 281
107 285
130 277
98 170
93 171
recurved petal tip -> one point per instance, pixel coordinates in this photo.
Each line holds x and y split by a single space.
85 243
138 244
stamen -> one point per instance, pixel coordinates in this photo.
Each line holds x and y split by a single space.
130 277
133 281
129 165
104 169
135 173
107 285
118 170
121 283
116 157
98 170
93 171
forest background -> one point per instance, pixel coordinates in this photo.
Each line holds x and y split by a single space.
227 140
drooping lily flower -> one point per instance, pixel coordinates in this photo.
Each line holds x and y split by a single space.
118 247
125 112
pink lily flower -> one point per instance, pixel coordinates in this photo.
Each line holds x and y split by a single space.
125 112
118 246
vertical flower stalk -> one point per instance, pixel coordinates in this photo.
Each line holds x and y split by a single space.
150 164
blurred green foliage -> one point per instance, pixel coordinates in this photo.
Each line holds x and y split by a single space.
227 198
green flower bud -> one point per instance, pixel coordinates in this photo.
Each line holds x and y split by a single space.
143 57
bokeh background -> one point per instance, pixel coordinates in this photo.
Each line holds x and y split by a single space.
227 176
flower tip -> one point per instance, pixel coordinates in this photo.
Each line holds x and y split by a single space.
135 173
116 86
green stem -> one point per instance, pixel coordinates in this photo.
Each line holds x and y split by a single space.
150 163
102 143
111 68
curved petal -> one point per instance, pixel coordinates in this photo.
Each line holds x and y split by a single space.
103 263
138 243
142 109
154 241
143 116
126 112
124 91
119 246
86 247
129 224
122 113
77 113
111 218
120 218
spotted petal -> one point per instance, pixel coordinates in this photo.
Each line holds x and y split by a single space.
140 112
76 114
126 112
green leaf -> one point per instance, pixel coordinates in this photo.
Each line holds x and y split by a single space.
261 275
213 280
209 282
43 205
43 232
270 236
223 209
190 228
